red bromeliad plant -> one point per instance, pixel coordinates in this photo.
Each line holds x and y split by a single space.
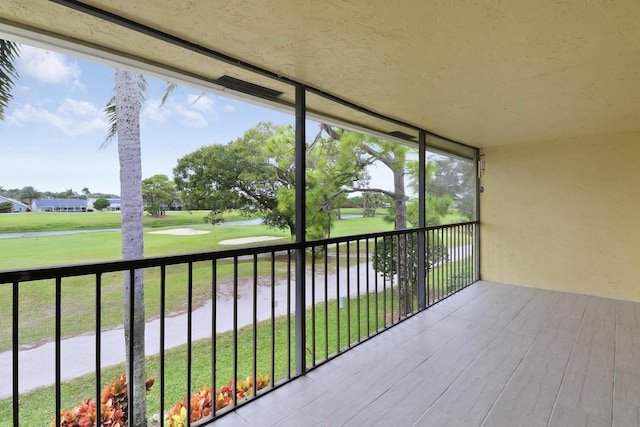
201 404
113 407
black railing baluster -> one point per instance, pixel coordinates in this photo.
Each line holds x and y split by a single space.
313 306
386 273
393 260
130 373
189 337
375 254
273 317
58 330
98 342
443 259
214 330
255 321
234 388
288 314
15 347
339 297
326 300
429 267
163 309
358 283
451 263
348 297
368 293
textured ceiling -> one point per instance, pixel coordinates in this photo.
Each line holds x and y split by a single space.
487 73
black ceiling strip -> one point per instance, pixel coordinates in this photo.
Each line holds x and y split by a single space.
176 41
402 135
248 87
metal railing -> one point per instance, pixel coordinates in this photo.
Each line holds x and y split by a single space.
219 317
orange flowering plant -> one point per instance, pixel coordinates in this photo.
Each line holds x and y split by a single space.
113 407
202 401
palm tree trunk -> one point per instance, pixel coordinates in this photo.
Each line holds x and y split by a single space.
129 152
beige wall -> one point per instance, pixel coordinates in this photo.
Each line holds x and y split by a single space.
564 215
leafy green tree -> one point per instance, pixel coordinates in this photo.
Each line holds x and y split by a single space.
28 194
364 150
158 193
256 174
101 204
240 175
454 178
6 207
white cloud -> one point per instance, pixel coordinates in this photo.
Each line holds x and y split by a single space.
48 67
71 117
190 118
154 111
229 108
193 113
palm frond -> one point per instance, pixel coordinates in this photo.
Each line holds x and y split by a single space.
169 89
142 89
9 52
110 112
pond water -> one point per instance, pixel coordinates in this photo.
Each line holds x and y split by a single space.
255 221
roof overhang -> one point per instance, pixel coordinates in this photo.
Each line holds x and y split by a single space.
482 74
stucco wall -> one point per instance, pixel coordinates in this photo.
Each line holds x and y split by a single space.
564 215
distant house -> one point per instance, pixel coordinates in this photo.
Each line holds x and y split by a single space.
114 204
59 205
16 206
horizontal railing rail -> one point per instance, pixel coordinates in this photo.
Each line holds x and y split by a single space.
221 324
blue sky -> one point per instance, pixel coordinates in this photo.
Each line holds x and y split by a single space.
52 132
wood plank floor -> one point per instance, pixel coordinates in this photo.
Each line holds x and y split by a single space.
491 355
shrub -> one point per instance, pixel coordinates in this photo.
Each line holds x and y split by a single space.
201 404
113 407
101 204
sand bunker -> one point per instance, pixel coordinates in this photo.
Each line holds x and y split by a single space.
181 232
244 240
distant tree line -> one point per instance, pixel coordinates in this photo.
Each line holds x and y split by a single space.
28 194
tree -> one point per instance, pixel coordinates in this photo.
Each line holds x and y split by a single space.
6 207
123 112
86 193
256 174
454 178
364 150
28 194
9 52
101 204
158 193
240 175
